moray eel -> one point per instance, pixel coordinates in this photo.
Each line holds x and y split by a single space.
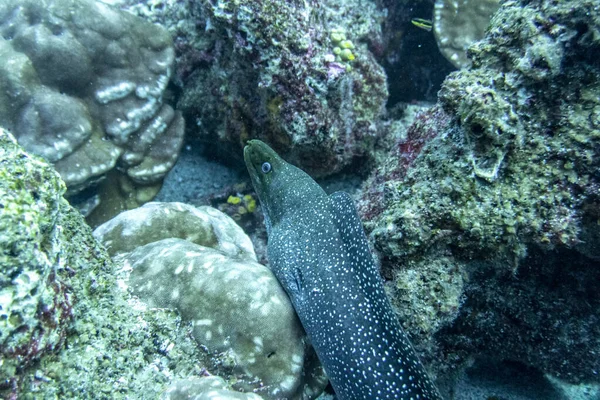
319 252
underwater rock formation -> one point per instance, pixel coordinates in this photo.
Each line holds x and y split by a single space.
199 262
66 328
486 214
35 304
297 74
81 84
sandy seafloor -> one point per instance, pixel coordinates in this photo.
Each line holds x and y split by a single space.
195 177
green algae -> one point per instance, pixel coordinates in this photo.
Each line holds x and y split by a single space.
500 180
79 334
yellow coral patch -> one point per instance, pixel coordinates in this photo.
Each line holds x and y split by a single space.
251 206
233 200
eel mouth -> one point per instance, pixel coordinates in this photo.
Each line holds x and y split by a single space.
249 155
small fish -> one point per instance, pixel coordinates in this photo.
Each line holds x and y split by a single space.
319 252
425 24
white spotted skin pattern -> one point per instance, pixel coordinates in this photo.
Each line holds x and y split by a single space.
318 250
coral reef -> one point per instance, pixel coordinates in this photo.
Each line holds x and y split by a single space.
199 262
492 195
269 71
35 303
67 329
71 329
153 222
185 21
82 86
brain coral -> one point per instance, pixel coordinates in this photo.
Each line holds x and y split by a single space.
206 388
81 84
199 262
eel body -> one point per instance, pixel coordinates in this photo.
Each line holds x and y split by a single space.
318 250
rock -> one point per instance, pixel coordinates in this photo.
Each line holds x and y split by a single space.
35 304
67 329
269 69
489 198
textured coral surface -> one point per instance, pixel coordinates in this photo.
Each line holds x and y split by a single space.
199 262
68 331
280 71
210 387
81 85
501 181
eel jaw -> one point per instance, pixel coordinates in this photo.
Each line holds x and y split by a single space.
248 158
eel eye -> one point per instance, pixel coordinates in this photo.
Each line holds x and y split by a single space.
265 167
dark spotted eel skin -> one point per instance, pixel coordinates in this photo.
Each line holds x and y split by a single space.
318 250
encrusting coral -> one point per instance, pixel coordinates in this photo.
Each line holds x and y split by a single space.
66 329
492 199
267 69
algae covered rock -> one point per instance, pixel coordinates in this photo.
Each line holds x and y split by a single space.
81 85
67 330
35 304
298 74
199 262
493 194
